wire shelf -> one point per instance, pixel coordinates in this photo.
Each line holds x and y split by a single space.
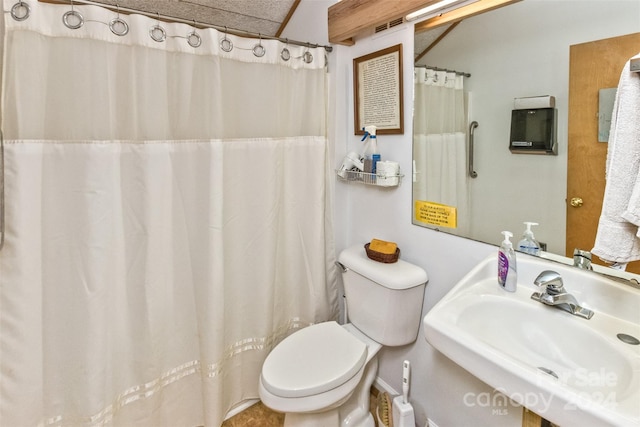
369 178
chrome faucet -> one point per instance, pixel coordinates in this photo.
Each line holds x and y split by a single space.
556 295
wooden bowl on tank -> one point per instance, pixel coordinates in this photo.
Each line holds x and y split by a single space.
380 257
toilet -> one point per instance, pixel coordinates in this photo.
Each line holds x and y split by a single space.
321 375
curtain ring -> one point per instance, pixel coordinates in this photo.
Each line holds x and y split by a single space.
20 11
225 43
259 50
72 19
158 33
284 53
307 57
117 25
193 38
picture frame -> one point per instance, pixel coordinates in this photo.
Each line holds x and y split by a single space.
378 91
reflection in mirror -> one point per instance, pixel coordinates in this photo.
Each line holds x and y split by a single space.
521 50
439 141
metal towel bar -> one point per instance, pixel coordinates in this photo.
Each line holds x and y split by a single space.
472 127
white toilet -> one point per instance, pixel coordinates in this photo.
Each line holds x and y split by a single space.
322 374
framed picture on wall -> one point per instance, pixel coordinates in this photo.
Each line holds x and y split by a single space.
377 85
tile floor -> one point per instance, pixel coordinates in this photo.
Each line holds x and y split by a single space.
259 415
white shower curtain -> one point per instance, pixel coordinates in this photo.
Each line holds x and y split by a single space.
439 147
167 219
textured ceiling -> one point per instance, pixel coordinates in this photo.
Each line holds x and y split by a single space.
425 39
254 16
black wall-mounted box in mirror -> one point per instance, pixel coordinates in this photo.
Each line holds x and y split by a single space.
533 131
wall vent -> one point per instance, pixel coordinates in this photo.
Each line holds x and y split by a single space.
390 24
396 22
382 27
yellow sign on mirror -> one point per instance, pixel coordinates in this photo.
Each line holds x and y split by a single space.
436 214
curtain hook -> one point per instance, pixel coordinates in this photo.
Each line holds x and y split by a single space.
284 53
307 57
20 11
117 25
156 32
193 38
225 43
72 19
259 50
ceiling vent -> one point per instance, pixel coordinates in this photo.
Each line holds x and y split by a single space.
389 24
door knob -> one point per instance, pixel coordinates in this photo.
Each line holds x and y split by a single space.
576 202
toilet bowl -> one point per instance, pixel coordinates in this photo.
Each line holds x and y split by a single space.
321 376
314 372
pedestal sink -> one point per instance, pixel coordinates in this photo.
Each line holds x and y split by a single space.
569 370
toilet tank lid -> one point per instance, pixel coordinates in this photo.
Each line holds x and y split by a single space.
397 275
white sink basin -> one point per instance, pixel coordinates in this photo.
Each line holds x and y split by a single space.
570 370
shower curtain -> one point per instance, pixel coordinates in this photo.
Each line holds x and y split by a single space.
439 148
167 217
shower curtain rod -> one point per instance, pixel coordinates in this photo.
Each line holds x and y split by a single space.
236 32
460 73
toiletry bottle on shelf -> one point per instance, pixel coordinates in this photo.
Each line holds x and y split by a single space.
528 244
507 271
371 154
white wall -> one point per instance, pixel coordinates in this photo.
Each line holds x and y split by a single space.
362 212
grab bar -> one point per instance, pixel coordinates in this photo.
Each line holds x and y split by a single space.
2 231
472 127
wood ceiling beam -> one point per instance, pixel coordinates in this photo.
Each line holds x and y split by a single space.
347 18
350 17
464 12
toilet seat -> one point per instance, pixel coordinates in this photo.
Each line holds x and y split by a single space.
313 360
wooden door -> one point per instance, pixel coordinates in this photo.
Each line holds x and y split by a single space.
592 66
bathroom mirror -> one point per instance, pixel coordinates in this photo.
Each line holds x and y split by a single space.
522 50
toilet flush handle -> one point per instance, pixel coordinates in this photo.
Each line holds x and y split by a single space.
341 266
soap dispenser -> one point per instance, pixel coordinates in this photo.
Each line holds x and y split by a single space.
529 244
507 271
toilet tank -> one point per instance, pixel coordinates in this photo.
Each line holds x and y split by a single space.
384 301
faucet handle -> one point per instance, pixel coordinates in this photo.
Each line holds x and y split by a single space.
550 279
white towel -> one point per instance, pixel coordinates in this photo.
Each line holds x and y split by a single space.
617 239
